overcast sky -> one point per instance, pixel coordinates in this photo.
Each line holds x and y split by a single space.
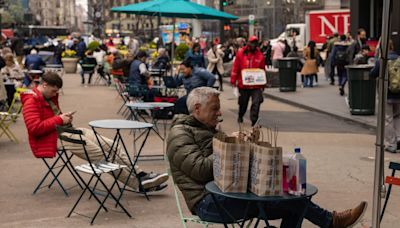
82 2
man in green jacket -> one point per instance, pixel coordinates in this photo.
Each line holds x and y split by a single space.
189 150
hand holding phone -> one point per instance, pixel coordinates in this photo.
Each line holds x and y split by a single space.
71 113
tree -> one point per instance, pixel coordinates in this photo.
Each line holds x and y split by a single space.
13 12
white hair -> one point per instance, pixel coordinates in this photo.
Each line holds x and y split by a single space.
33 52
200 95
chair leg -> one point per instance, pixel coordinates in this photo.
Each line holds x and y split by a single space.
49 171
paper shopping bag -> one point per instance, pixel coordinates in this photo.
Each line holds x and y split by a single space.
231 163
266 167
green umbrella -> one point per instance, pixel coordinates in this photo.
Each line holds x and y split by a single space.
175 9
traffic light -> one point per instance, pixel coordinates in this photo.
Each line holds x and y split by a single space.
227 2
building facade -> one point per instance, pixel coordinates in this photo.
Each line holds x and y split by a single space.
54 12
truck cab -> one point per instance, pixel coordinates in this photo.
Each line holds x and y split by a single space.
291 30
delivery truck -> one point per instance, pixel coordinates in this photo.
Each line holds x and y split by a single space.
319 24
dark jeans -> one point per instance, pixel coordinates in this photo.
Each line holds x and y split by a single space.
220 79
256 100
289 212
342 74
83 76
332 73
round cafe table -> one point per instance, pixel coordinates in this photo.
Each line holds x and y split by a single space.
260 201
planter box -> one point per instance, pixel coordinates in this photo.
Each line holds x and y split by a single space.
70 64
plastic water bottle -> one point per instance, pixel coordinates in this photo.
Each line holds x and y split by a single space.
285 178
297 173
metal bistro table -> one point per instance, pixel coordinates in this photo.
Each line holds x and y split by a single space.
135 114
119 125
311 190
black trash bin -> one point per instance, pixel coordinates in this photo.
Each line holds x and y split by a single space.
287 74
362 90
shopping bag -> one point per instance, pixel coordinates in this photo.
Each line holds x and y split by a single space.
231 163
266 169
253 77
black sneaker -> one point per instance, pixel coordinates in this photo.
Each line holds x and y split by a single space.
154 190
150 180
240 119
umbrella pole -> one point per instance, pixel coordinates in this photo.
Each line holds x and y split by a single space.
173 45
383 84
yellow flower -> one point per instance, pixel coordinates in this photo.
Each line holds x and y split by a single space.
68 53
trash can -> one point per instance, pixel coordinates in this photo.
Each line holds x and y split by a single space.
287 74
362 90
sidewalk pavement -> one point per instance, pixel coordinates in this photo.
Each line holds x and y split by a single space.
322 98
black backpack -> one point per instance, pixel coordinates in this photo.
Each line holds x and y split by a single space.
287 50
341 57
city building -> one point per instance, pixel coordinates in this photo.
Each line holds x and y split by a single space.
53 12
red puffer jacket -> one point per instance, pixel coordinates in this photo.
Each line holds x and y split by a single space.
244 60
40 122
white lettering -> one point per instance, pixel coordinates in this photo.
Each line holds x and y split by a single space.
325 22
346 23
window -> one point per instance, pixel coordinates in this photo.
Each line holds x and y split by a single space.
58 3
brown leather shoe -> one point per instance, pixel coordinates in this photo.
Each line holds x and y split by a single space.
350 217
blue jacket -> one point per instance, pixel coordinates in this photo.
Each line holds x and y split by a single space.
200 77
80 49
34 62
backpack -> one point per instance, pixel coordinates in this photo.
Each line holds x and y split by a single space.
341 57
394 75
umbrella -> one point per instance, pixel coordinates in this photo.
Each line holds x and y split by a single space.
174 9
379 154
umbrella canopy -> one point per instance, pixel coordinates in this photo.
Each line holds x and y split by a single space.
175 9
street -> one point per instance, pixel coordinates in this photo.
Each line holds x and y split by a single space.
339 157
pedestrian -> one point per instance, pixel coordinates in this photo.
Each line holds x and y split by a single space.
310 68
340 58
248 57
42 114
362 56
329 66
216 63
278 51
266 49
392 107
190 155
33 61
88 64
195 55
357 44
139 77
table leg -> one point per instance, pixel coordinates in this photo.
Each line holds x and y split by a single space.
261 214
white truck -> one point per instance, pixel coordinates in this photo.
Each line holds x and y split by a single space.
319 24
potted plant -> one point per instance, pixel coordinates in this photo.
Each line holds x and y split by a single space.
70 61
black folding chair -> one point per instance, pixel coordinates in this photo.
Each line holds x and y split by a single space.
95 169
391 180
62 161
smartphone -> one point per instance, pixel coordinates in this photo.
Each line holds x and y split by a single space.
72 113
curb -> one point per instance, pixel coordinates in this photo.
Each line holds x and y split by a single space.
313 109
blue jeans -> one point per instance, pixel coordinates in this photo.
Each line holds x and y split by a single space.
289 212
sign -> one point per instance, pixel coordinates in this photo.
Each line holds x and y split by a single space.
325 23
180 28
251 19
253 77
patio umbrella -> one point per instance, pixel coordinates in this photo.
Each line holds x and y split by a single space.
379 154
174 9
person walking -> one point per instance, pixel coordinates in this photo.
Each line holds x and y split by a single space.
310 68
196 56
215 63
392 107
248 57
340 58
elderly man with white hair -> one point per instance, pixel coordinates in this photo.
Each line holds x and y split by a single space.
189 150
33 61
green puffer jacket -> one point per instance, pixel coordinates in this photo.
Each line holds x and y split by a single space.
189 150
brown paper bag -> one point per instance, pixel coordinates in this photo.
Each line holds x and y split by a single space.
231 163
266 167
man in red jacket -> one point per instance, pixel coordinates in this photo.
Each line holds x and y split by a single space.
42 113
248 57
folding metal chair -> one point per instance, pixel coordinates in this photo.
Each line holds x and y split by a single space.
12 114
61 162
95 170
391 180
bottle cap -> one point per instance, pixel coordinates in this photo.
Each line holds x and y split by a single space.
297 150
